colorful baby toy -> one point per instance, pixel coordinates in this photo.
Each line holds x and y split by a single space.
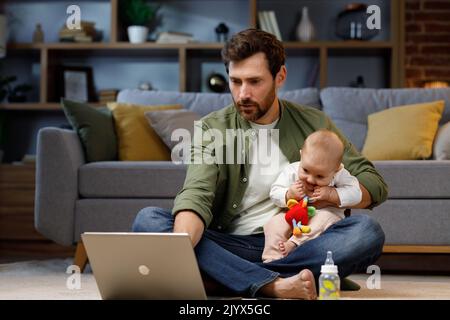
298 216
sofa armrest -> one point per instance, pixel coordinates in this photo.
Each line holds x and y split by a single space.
59 155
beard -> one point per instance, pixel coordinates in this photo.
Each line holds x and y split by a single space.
251 110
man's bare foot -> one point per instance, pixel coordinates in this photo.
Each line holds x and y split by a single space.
300 286
286 247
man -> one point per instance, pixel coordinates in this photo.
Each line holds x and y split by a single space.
223 206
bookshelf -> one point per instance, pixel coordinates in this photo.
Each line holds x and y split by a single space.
187 58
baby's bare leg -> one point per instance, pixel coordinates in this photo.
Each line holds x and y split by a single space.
275 231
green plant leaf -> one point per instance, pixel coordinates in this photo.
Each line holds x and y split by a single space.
138 12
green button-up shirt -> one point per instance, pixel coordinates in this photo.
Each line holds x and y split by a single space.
215 190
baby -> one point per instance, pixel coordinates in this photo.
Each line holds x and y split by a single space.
321 170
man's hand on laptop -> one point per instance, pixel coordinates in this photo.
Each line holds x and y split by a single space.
189 222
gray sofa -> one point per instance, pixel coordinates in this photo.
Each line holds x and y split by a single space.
73 197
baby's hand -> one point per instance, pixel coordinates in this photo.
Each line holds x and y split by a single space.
328 194
295 191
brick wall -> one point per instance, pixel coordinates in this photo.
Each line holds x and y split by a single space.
427 43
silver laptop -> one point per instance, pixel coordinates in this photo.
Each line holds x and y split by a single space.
144 265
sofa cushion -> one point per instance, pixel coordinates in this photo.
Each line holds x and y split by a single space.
136 138
166 122
111 215
442 143
350 107
413 221
415 178
95 128
128 179
205 103
404 132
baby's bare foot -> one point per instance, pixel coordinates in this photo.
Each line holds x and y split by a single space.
300 286
286 247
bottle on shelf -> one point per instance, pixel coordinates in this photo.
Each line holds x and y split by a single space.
38 34
329 282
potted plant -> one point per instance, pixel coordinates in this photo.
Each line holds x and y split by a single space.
14 93
138 14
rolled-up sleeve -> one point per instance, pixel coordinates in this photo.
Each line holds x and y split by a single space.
199 187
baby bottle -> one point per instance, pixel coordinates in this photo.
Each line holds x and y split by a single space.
329 283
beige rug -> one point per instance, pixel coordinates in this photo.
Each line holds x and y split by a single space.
47 280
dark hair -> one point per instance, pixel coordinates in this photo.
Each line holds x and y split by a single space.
251 41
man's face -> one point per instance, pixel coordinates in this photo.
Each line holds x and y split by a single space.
253 87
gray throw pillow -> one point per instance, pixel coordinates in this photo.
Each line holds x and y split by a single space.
442 143
164 122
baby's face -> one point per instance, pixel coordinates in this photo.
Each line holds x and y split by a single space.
316 170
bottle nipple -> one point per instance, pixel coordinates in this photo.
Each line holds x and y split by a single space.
329 260
329 265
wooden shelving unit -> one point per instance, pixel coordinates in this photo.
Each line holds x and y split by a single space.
18 237
324 49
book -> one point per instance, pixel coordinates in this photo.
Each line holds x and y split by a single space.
174 37
274 25
263 23
108 91
87 33
268 22
81 38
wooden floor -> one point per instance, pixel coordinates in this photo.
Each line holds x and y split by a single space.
12 251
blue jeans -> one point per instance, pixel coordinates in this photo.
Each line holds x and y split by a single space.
235 261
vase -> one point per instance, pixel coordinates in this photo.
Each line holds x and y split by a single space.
305 29
137 34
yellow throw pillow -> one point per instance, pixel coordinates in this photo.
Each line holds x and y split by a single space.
137 139
404 132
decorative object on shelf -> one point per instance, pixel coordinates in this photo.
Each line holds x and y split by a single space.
305 29
138 15
3 34
107 95
145 86
14 93
217 82
359 83
222 32
174 37
38 34
87 33
76 83
351 23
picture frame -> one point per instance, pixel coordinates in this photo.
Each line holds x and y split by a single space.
76 83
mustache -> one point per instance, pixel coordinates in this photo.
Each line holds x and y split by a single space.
245 103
